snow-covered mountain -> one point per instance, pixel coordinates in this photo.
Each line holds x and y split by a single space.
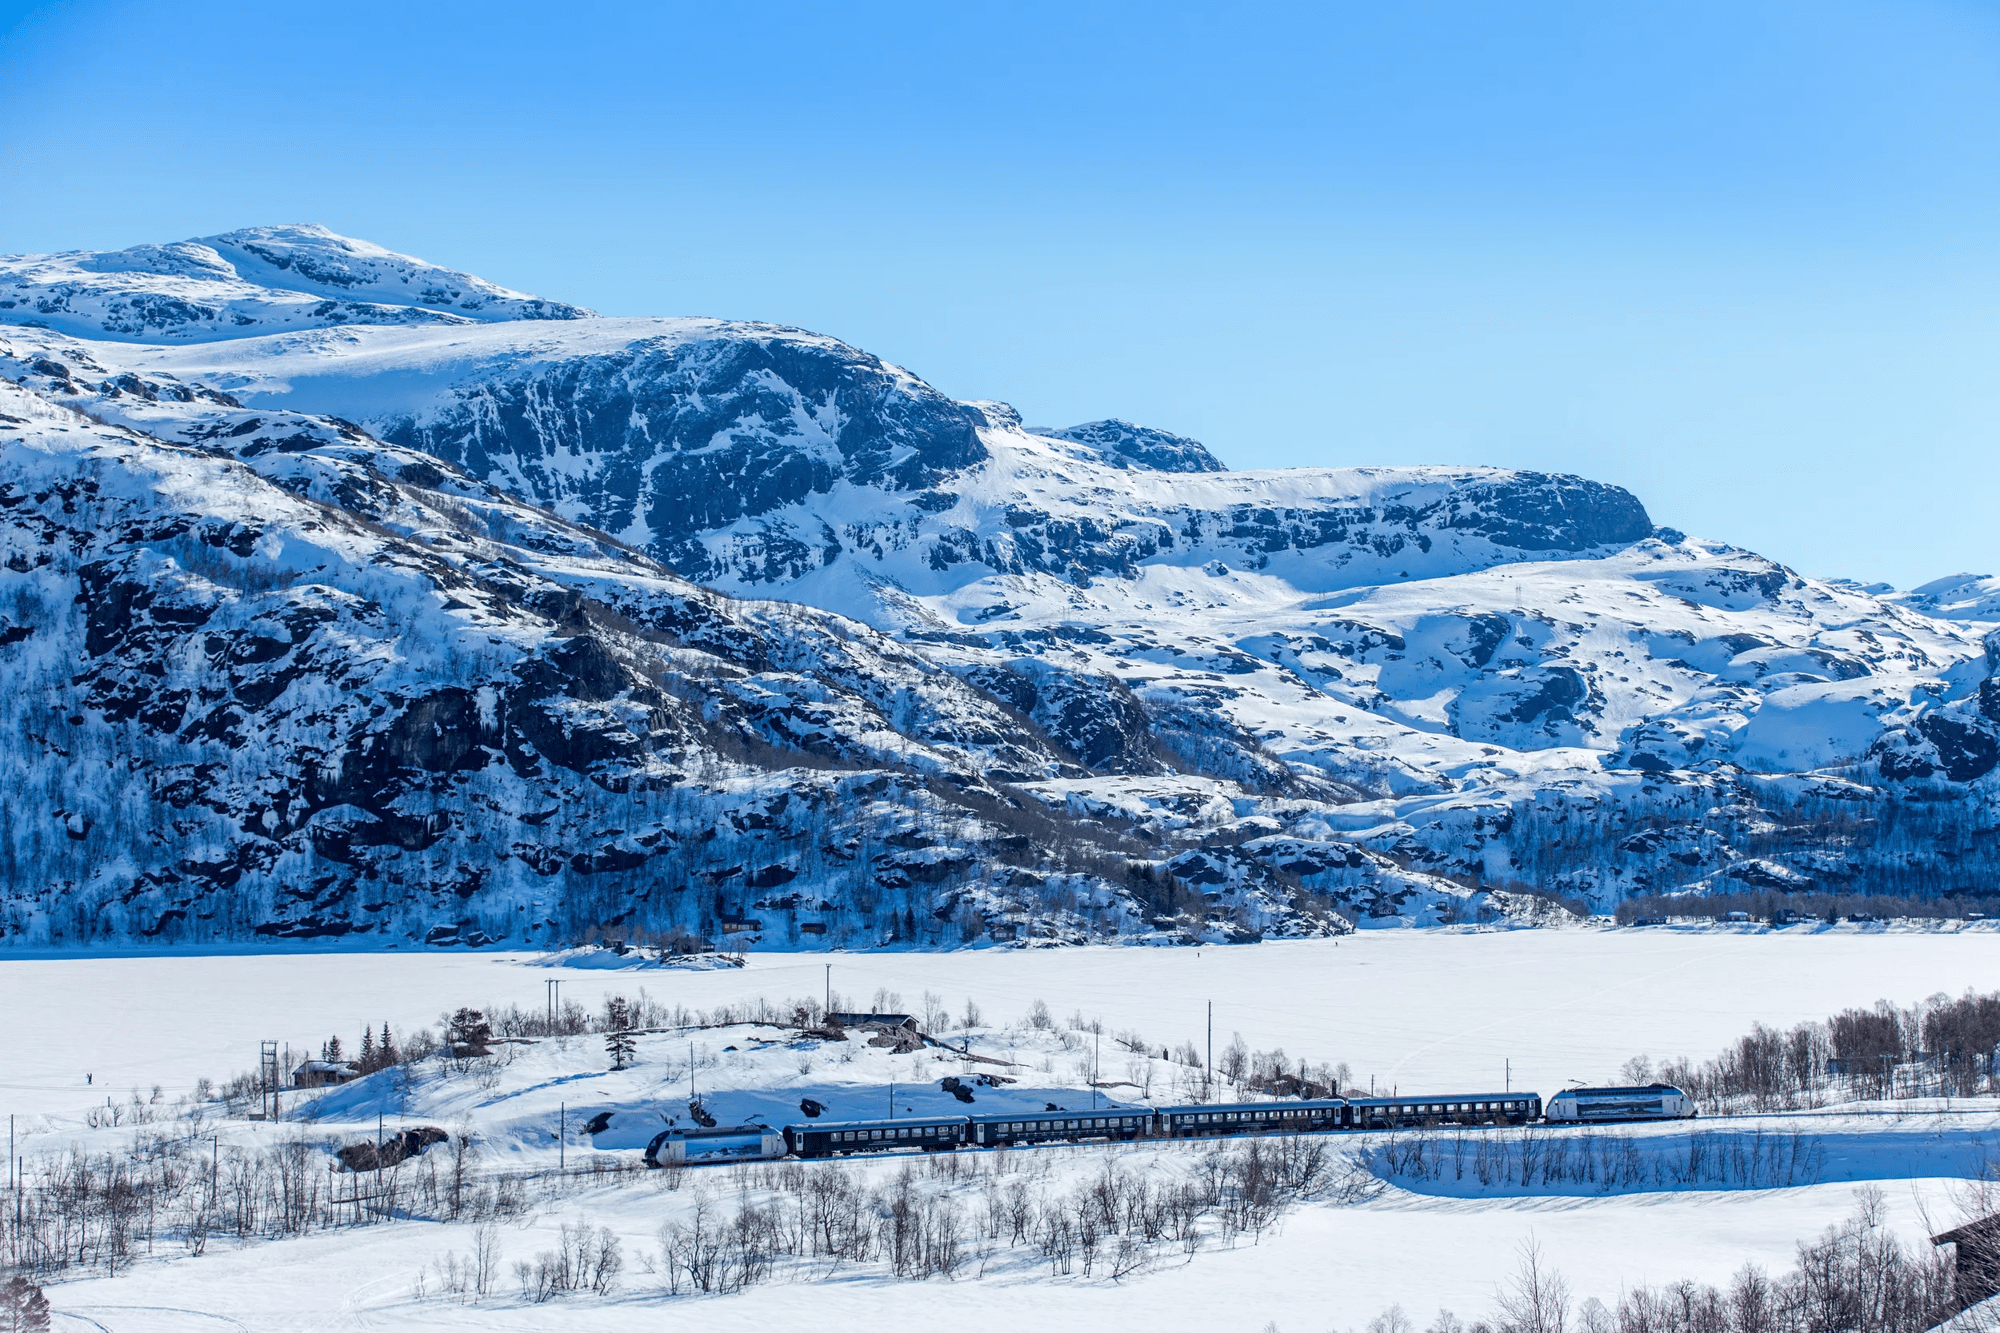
1103 682
253 281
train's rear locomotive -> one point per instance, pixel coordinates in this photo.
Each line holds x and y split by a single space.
1654 1101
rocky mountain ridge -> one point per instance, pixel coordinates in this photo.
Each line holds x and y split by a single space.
1092 683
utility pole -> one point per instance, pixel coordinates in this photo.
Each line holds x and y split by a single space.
562 1137
1208 1074
1096 1046
269 1073
829 992
1510 1076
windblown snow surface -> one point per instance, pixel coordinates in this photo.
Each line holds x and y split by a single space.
354 597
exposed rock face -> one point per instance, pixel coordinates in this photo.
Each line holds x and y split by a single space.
690 433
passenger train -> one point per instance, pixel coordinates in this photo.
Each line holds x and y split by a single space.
943 1133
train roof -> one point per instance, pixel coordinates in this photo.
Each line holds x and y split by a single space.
1621 1092
1327 1103
899 1122
1426 1097
998 1117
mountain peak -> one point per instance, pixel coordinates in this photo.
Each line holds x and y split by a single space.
248 282
1122 444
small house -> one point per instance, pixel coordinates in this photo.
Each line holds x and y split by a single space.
737 925
1976 1260
324 1074
875 1020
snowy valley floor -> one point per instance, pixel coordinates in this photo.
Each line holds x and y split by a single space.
1422 1011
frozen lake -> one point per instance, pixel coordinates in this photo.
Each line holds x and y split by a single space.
1436 1011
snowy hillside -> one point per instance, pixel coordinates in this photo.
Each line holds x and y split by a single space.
1106 685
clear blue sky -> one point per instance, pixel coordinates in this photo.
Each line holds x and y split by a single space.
1741 257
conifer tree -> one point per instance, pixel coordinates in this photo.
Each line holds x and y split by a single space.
619 1042
23 1307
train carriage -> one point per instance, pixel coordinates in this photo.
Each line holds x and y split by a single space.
834 1138
1251 1118
1654 1101
1059 1126
1472 1108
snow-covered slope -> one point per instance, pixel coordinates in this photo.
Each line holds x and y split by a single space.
1402 691
256 280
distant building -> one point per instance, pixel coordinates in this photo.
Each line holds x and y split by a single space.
1976 1262
324 1074
875 1020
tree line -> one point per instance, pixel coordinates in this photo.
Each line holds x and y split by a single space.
1940 1047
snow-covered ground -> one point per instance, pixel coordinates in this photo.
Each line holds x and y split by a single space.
1421 1010
1328 1268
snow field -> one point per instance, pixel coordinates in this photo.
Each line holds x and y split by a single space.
1324 1267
